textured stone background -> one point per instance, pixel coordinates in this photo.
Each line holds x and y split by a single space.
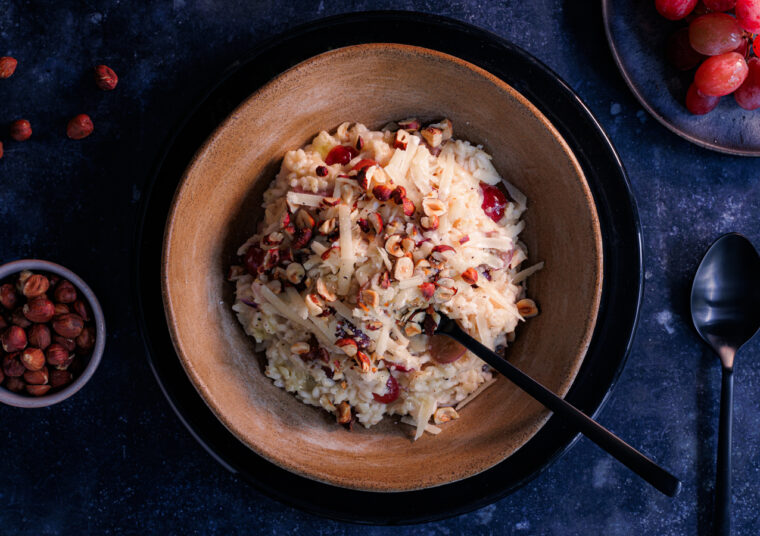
115 458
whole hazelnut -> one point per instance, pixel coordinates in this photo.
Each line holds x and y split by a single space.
39 310
18 318
60 309
68 344
13 339
68 325
79 127
35 285
39 336
58 356
83 310
33 358
65 292
86 340
36 377
59 378
8 296
23 275
21 130
37 390
12 366
7 66
15 385
105 78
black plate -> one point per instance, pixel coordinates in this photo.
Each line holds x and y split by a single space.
637 36
622 263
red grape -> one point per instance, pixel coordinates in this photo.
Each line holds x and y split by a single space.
674 9
715 33
721 75
748 14
756 46
748 94
719 5
699 104
679 51
743 48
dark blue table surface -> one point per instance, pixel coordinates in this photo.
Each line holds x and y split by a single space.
115 459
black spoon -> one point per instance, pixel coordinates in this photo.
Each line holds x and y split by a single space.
725 309
632 458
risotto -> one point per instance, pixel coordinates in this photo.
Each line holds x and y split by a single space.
367 236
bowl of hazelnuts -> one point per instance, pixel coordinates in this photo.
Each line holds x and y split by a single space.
52 333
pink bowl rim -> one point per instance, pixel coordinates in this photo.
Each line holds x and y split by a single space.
21 401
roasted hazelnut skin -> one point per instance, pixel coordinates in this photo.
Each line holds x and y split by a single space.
68 325
60 309
36 377
39 310
15 385
33 358
83 310
39 336
65 292
37 390
59 378
68 344
35 285
8 296
18 319
57 355
12 366
86 340
13 339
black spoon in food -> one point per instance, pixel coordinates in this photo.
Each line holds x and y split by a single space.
632 458
725 309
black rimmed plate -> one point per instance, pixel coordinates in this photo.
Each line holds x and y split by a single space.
637 36
621 233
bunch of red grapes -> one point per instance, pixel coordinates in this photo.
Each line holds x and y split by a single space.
720 39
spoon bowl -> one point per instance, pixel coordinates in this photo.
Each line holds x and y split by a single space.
725 296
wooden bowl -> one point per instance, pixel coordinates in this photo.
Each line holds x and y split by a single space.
218 204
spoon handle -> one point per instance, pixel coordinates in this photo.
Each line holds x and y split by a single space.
723 470
633 459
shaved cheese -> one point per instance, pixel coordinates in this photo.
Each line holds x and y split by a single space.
342 309
522 275
472 396
429 428
427 408
300 198
446 176
286 310
483 332
503 243
398 167
384 256
298 302
495 295
346 249
382 340
515 194
318 248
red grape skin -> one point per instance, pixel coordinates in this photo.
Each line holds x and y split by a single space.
748 14
719 5
699 104
756 45
715 33
721 75
674 9
679 51
743 48
748 94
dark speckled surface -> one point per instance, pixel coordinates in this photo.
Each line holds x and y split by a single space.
115 459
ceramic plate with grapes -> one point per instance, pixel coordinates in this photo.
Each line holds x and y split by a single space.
694 65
